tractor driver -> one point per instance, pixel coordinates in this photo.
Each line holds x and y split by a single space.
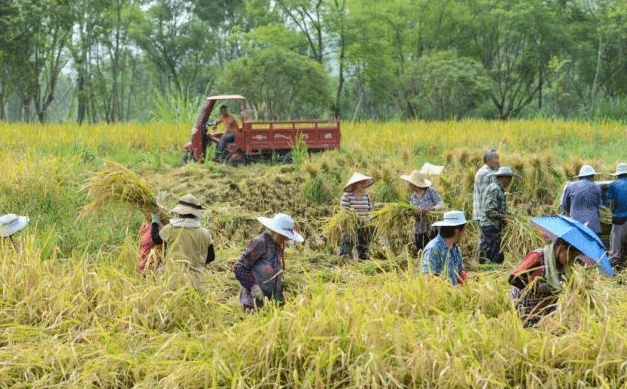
231 127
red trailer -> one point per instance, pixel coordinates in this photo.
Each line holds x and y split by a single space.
259 140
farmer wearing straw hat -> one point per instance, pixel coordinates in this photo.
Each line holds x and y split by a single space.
494 216
9 225
617 193
425 198
356 199
442 254
188 246
582 199
260 268
537 280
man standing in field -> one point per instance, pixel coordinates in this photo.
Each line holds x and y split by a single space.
494 216
231 126
582 199
483 178
617 194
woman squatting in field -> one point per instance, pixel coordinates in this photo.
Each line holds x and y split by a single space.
260 267
537 281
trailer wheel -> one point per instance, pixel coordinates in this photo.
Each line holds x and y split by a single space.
287 158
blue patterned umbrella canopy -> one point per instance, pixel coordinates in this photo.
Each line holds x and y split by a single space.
578 235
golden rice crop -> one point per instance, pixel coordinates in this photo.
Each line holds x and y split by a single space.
118 184
342 222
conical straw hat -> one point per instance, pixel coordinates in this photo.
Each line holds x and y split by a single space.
357 177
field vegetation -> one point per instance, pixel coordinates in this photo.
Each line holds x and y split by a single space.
75 313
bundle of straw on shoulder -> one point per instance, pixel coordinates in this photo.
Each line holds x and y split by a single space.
117 184
343 222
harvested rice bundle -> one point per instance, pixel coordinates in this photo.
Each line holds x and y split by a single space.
519 236
393 217
117 184
343 222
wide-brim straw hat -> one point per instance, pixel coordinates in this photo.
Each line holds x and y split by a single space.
451 219
417 178
11 223
355 178
188 205
621 169
504 171
282 224
586 171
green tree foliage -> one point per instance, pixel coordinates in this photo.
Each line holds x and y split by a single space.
443 86
279 84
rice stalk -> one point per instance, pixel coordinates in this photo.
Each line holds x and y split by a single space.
118 184
343 222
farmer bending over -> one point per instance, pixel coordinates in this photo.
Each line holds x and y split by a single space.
443 254
537 281
188 246
260 268
231 127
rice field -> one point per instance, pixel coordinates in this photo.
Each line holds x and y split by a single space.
75 313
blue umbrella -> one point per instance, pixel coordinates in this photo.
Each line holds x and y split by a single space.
578 235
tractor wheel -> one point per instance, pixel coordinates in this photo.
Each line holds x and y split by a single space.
186 158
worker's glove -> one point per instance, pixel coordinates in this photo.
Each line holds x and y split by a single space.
155 218
256 292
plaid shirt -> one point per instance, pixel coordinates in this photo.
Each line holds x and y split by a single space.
483 178
429 199
261 263
494 206
437 255
146 254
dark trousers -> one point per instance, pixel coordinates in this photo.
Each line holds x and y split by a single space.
423 238
490 245
227 138
364 235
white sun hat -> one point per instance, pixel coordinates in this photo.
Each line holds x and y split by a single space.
451 219
621 169
417 178
188 205
11 223
586 171
282 224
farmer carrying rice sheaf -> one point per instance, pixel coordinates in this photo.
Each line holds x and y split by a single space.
9 225
356 199
260 268
494 217
425 198
188 246
442 255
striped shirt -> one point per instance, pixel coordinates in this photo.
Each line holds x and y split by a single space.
430 199
359 203
438 258
483 178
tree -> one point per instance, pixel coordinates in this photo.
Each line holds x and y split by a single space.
443 86
279 84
